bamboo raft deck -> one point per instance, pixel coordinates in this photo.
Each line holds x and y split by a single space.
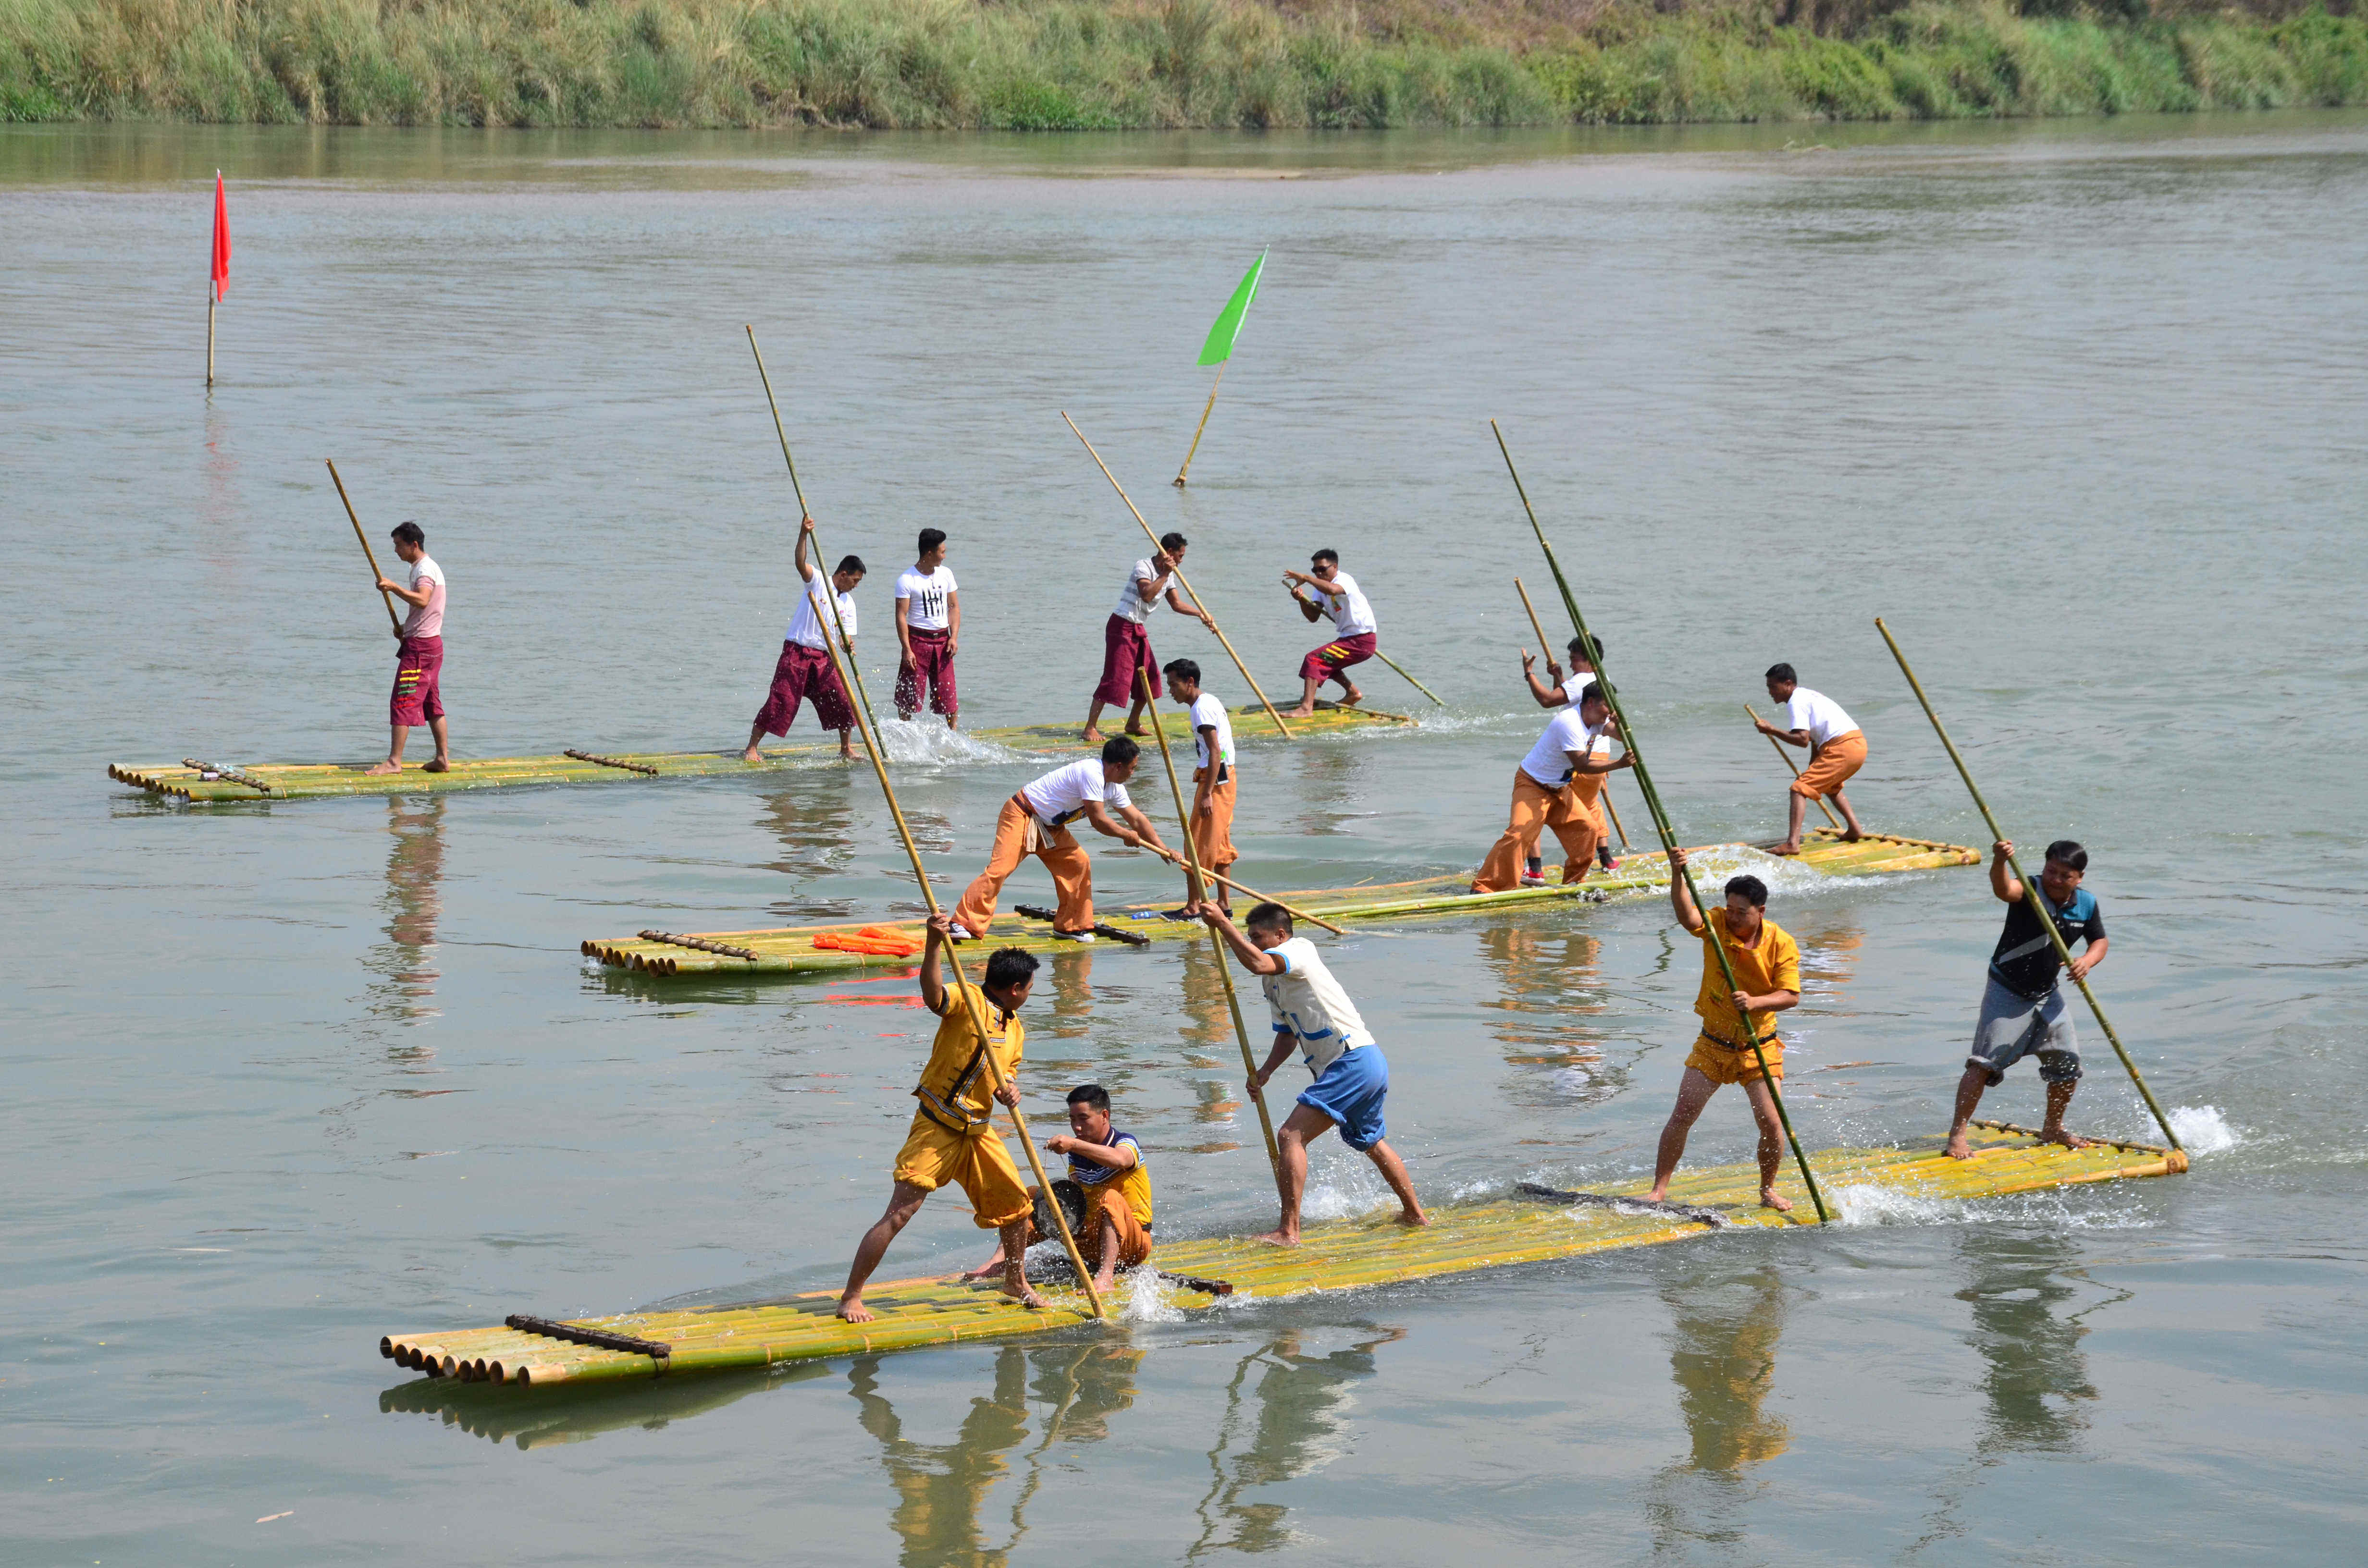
200 781
794 949
1345 1255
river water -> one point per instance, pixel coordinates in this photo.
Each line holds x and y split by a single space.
2076 407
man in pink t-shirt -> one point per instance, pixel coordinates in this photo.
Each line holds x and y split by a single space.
416 700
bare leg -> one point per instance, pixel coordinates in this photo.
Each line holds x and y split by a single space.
1969 1099
2059 1100
1772 1144
1015 1265
1694 1091
1791 845
1291 1140
1135 719
1307 709
1856 831
393 762
845 749
1386 1159
443 735
1349 695
755 739
1106 1248
905 1200
1092 731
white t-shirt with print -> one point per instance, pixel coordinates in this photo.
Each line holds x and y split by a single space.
928 595
1818 714
1060 797
1566 731
1345 603
810 624
1307 1002
1131 606
1210 713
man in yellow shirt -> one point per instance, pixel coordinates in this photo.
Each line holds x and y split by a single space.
1767 980
1107 1196
954 1138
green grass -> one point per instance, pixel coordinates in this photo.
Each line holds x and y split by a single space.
1069 65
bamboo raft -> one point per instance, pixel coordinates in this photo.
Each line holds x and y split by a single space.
197 780
1345 1254
836 950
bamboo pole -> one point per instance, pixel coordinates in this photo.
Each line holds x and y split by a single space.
1546 651
1417 685
1787 756
1254 893
1194 892
1661 822
1180 578
1205 411
372 555
2031 890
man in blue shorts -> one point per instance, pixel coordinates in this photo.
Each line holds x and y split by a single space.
2023 1012
1312 1012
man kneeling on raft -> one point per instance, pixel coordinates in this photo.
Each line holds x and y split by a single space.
1107 1182
954 1138
1767 976
1352 1078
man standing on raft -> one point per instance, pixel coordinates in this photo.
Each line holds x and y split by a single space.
1212 818
804 668
1356 633
1036 821
1106 1170
1126 639
1352 1078
929 630
1767 969
1590 786
1544 797
1837 751
419 662
2023 1012
954 1138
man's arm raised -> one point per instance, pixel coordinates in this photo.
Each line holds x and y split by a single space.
1681 900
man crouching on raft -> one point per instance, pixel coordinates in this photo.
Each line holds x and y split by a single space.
1767 969
2023 1009
1106 1169
1359 634
419 667
954 1138
1352 1078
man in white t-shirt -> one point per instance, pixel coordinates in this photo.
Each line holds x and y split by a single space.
1837 751
1036 821
1323 589
419 665
806 668
1544 798
928 631
1127 659
1212 815
1313 1014
1590 787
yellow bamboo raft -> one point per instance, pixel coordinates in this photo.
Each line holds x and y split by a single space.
1345 1255
201 779
794 949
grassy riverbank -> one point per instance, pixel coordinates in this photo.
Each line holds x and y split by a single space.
1073 64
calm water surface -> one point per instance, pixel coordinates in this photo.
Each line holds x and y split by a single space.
2078 408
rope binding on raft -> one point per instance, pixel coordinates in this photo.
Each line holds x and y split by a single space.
217 770
701 943
612 761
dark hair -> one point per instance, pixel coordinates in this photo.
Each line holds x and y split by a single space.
852 564
1578 646
1782 672
1597 690
1172 542
931 538
1120 750
1268 917
1751 888
1331 556
2068 851
1093 1094
1183 669
409 533
1010 966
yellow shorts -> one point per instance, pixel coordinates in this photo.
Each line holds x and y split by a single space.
933 1157
1723 1063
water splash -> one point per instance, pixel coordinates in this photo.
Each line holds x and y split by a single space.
2203 1128
1870 1203
1148 1300
912 741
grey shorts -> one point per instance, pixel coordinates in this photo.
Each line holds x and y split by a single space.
2015 1026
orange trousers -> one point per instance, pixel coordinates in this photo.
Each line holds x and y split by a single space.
1536 808
1134 1236
1019 835
1212 830
1833 766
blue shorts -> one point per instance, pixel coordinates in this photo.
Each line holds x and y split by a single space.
1351 1092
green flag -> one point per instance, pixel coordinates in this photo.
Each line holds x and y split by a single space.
1220 346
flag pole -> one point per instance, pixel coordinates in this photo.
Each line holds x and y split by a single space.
1545 651
209 333
1181 579
1203 425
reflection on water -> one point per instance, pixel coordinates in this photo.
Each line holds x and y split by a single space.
1542 1011
578 1415
1071 975
1209 1044
1332 793
2035 1371
813 820
1723 1336
405 991
1300 1426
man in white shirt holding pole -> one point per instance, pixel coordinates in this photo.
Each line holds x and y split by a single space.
1837 751
1323 589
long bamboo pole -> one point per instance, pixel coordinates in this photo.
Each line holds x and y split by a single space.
1180 578
1205 411
384 597
970 998
2031 890
1252 892
1661 822
1545 650
1417 685
1193 891
1787 756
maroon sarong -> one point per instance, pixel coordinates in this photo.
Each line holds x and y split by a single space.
1327 662
804 672
1126 648
416 700
930 668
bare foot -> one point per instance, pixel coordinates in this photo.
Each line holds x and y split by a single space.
1771 1198
386 767
2069 1140
846 754
1299 712
1659 1195
441 764
1089 733
1025 1294
1792 847
852 1310
1956 1148
1279 1238
1852 837
1104 1284
1353 697
752 754
1136 730
1414 1216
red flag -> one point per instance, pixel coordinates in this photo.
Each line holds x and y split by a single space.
222 239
